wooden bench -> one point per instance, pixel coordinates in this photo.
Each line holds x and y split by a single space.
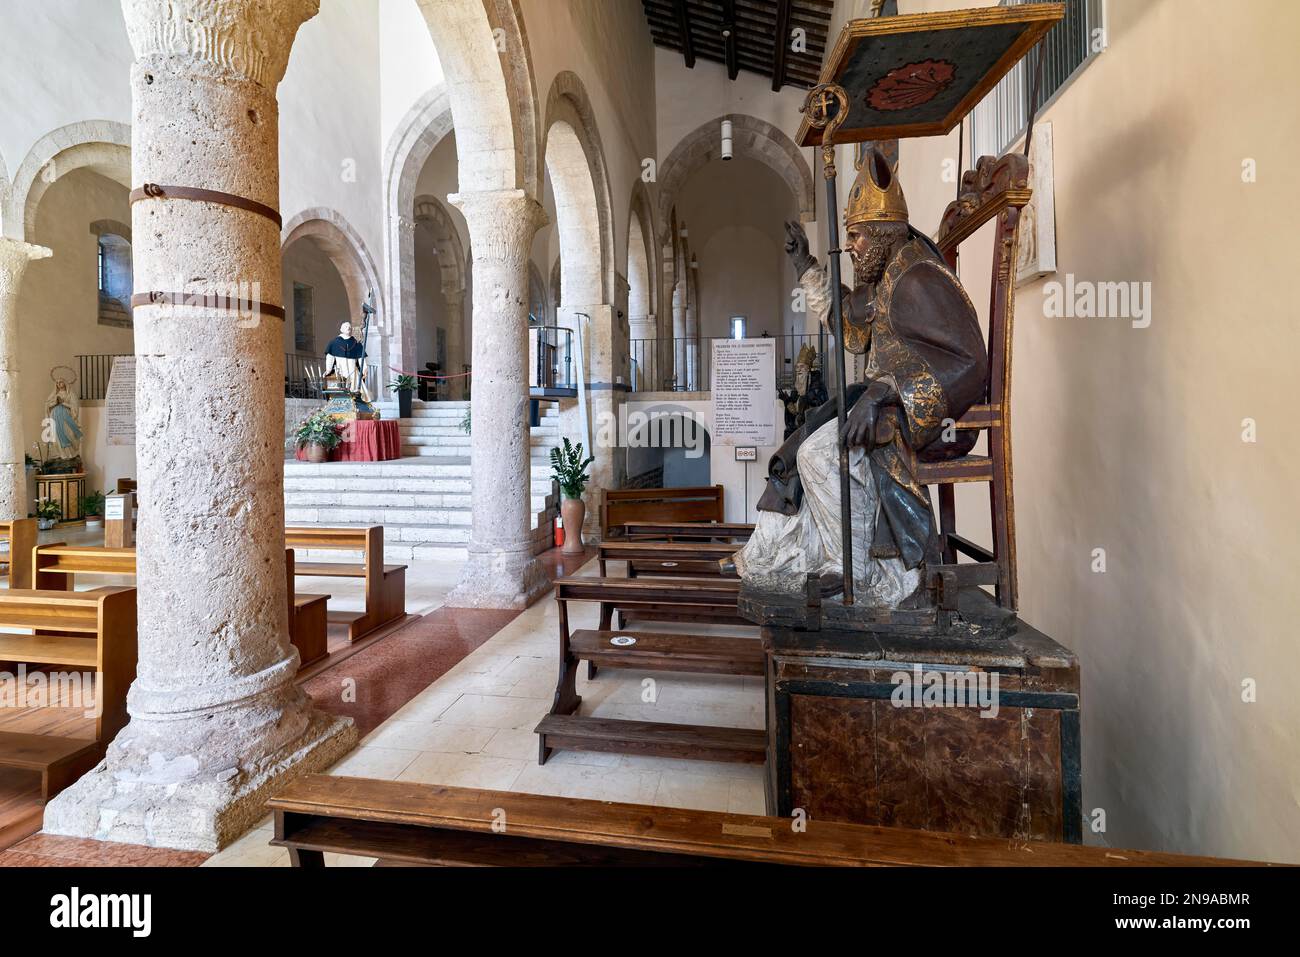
689 531
688 599
56 567
16 564
385 584
405 823
697 504
671 559
82 631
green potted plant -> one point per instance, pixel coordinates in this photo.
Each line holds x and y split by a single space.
318 436
404 385
569 469
466 422
92 508
48 513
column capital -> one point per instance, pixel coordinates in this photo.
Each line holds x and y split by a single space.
249 38
14 257
502 223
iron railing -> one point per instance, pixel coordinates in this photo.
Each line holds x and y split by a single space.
684 365
1001 117
92 375
551 351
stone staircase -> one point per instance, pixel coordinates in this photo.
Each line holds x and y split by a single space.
421 499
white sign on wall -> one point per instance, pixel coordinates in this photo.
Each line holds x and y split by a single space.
119 402
744 392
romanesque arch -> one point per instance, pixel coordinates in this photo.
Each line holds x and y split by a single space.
751 137
346 250
432 214
100 145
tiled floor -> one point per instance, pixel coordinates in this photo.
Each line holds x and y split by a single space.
473 727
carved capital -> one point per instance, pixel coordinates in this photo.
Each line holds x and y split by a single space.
501 223
14 257
248 38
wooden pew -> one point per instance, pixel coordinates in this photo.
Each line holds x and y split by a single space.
412 824
688 599
671 559
698 504
689 531
57 565
77 631
385 584
16 565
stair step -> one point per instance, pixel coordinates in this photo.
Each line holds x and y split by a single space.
700 742
656 651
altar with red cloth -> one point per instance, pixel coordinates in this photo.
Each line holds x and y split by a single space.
366 440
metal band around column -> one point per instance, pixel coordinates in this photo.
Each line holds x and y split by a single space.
155 191
207 301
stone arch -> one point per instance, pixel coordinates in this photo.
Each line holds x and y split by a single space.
412 143
429 211
483 49
346 250
751 137
641 225
103 146
537 299
575 161
554 287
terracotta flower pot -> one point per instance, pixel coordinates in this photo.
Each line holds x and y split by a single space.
316 453
574 512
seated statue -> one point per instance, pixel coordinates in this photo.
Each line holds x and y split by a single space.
926 365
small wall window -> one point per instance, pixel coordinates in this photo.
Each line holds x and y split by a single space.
304 325
113 278
737 327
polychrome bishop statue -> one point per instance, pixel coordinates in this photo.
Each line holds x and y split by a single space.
926 364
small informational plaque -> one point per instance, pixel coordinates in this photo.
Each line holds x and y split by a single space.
744 392
114 508
746 453
119 402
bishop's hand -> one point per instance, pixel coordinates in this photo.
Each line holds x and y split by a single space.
796 247
861 423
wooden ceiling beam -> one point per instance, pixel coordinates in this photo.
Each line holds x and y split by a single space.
780 44
729 39
684 29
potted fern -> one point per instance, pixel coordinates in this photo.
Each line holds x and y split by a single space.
569 469
403 385
92 507
318 436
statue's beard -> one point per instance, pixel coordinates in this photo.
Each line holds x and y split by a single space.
869 266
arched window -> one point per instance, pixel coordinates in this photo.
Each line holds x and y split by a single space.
113 272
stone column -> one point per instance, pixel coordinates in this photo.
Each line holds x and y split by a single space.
501 571
14 257
455 300
216 721
679 334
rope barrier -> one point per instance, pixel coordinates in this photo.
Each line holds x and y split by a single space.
424 375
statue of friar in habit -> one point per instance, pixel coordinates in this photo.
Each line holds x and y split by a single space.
926 364
345 358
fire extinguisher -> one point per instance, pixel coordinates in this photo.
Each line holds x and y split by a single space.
559 531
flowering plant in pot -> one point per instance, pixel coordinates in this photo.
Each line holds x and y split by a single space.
569 469
318 435
403 385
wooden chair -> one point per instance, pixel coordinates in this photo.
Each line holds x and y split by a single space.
20 535
406 823
385 584
996 189
695 504
82 631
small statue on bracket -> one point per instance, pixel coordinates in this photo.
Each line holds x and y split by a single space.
926 365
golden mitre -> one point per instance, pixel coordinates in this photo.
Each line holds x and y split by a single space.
876 196
807 356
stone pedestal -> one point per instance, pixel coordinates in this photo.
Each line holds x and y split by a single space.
14 257
216 720
501 571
